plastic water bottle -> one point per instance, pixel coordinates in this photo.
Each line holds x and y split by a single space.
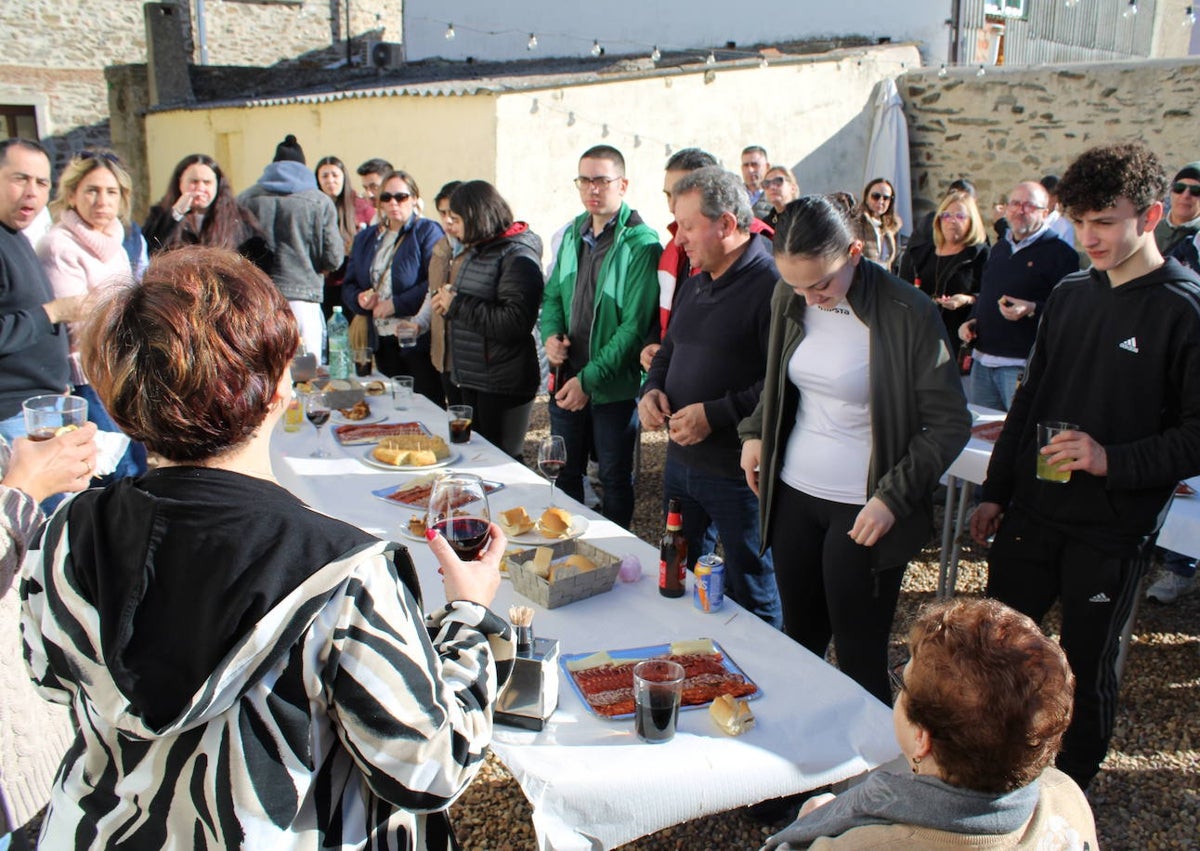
340 357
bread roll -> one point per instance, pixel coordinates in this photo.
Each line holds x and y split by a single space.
516 521
731 715
554 523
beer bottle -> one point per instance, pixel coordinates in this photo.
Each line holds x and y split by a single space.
672 554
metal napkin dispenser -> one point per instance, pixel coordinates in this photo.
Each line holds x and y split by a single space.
531 695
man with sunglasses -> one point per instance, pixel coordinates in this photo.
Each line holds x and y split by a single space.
600 299
1021 270
1182 221
300 223
1117 355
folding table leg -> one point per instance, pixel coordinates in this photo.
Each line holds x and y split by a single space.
947 533
964 504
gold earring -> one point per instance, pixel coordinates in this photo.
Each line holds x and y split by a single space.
916 765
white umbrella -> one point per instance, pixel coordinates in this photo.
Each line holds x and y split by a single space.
887 154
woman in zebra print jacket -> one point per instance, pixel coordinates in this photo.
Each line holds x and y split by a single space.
242 671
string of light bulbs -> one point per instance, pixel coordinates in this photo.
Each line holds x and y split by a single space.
606 130
598 48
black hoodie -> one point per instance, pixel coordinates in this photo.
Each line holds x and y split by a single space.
1123 363
181 564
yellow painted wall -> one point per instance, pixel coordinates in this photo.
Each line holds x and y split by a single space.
436 139
813 116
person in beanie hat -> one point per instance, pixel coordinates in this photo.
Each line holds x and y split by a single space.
289 150
1182 221
301 227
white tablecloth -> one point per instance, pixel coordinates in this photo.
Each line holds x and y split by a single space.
1181 529
591 782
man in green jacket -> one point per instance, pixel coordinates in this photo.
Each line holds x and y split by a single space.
599 300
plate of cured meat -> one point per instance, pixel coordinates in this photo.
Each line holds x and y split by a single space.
361 434
603 680
414 494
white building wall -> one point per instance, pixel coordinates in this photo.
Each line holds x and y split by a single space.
487 30
814 117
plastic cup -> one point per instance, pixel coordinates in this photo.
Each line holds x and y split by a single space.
1046 431
402 392
657 689
461 417
47 415
406 335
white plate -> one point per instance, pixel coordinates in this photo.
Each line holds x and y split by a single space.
579 525
369 419
406 533
371 461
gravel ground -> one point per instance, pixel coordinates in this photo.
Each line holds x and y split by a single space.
1146 797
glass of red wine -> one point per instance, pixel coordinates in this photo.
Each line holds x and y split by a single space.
458 509
316 408
552 457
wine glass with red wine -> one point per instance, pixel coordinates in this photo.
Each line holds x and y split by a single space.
458 509
552 457
316 408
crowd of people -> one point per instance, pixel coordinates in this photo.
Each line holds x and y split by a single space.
810 365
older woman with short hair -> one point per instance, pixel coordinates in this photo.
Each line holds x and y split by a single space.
258 671
980 713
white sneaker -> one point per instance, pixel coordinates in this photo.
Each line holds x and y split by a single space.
1170 586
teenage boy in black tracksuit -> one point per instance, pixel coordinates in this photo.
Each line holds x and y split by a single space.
1117 354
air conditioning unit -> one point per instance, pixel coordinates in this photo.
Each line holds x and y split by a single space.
385 54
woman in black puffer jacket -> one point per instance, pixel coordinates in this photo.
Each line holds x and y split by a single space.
490 312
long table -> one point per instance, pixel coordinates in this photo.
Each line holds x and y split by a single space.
592 784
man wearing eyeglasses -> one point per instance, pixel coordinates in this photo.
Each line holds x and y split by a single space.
599 302
1020 272
1182 221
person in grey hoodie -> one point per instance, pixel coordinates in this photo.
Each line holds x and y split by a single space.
301 227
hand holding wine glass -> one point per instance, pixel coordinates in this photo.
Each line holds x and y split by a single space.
458 510
552 457
475 581
316 408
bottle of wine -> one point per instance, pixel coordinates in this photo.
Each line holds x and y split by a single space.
672 554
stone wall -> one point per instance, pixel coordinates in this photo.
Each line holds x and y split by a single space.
1019 124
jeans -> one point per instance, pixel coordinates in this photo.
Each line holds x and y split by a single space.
611 430
728 507
993 386
133 462
13 427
